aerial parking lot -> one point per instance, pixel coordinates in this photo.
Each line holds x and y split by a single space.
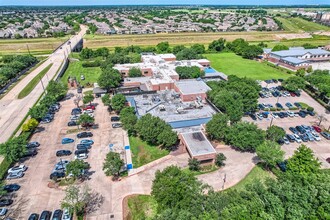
290 116
37 191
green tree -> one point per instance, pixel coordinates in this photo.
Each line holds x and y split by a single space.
187 54
270 153
113 164
106 100
86 53
76 168
199 48
163 47
274 133
167 138
188 72
217 127
309 69
85 119
88 98
76 199
294 83
110 78
280 47
245 136
178 48
15 148
309 46
303 162
194 164
301 72
217 45
30 125
118 102
220 159
38 111
128 119
134 72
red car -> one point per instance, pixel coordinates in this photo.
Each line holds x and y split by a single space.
92 107
317 129
292 94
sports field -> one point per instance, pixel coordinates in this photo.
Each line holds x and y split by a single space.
231 64
299 24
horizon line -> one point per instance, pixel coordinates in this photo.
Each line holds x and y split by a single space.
170 5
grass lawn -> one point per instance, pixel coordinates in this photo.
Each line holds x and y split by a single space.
143 153
203 170
299 24
34 82
141 207
231 64
257 173
75 69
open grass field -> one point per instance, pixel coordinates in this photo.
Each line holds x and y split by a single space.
231 64
75 69
37 46
141 207
111 41
143 153
316 40
299 24
32 84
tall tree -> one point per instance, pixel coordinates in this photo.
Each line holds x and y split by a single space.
134 72
193 164
113 164
217 45
217 127
85 119
76 199
163 47
270 153
294 83
118 102
88 98
76 168
110 78
14 148
274 133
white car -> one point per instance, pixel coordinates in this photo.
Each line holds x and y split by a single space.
286 141
290 113
91 114
16 175
88 111
74 117
274 115
259 116
66 215
81 156
3 211
16 169
316 136
297 138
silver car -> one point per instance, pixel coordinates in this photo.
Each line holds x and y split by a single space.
310 137
17 175
16 169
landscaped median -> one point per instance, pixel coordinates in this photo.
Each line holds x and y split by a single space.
33 83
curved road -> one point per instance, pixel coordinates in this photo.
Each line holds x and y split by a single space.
13 110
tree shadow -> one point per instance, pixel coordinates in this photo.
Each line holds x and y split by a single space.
94 203
15 211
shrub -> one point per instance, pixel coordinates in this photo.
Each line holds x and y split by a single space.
220 160
309 108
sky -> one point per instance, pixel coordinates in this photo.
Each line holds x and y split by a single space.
156 2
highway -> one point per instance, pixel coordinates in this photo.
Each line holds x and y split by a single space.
12 109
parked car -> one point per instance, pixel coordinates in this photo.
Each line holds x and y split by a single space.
290 138
33 216
304 137
45 215
88 111
82 151
259 116
311 113
261 106
3 211
66 215
290 113
33 144
61 153
57 175
328 159
79 90
15 175
74 117
326 135
11 187
88 146
293 130
253 116
310 137
289 105
31 152
81 156
76 111
316 136
72 123
302 114
286 141
317 128
92 107
84 134
67 140
282 166
301 129
45 121
274 115
15 169
5 202
281 115
82 147
87 141
297 104
118 125
57 215
115 118
278 105
297 138
62 163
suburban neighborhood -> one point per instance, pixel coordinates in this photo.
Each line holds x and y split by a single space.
229 129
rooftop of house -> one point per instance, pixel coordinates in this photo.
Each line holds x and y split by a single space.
197 143
300 52
192 86
294 60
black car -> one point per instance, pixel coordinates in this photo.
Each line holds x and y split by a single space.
280 141
5 202
88 146
76 111
79 90
57 215
294 130
57 174
281 115
11 187
80 147
301 129
290 138
84 134
45 215
72 123
278 105
115 118
33 216
285 114
302 114
264 114
311 113
297 93
31 152
297 104
61 153
33 144
282 166
253 116
81 151
304 137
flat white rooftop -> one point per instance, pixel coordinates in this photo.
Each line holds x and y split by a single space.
197 143
187 87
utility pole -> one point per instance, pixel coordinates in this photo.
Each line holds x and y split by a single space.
28 49
42 84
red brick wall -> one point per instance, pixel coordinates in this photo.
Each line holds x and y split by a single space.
192 97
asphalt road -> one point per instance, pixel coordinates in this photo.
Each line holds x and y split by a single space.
13 110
